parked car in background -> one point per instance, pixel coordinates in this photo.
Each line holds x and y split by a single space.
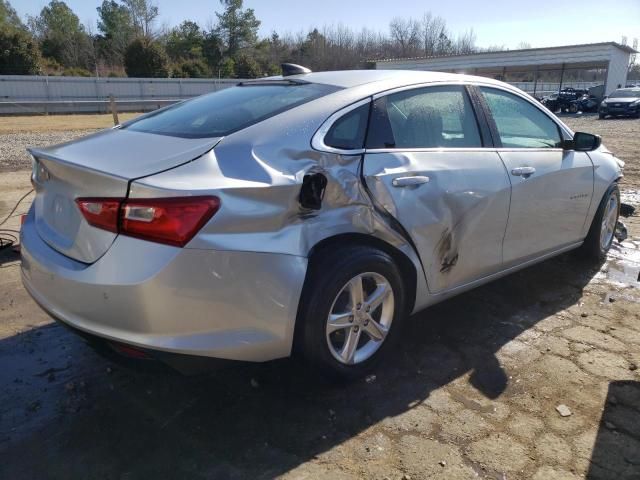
623 102
308 213
586 103
563 99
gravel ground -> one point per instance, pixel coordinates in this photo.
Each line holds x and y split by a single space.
13 153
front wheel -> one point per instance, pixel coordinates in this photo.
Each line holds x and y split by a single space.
351 310
603 227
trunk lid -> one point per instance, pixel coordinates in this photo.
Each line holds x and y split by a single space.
99 165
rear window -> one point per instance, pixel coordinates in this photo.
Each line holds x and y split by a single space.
229 110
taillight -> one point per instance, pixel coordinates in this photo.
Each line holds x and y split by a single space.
167 220
173 221
101 212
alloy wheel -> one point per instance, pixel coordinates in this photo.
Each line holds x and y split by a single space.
360 318
609 220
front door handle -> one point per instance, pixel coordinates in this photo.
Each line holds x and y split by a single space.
409 181
523 171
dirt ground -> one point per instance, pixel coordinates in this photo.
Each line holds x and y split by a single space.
621 136
55 123
475 391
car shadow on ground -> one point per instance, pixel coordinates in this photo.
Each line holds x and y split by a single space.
69 414
614 449
8 256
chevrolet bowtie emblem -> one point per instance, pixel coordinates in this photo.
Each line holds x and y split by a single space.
42 174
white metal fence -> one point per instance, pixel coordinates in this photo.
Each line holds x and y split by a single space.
24 94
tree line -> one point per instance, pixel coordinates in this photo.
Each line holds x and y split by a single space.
128 41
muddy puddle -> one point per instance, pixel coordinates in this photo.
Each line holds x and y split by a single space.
622 268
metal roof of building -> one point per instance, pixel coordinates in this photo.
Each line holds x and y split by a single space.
624 48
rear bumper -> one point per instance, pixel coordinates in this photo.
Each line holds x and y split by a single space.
222 304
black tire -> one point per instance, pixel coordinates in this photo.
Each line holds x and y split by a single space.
328 273
592 248
601 116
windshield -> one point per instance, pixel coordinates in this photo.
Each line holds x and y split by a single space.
625 94
229 110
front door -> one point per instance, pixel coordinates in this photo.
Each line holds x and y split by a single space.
551 188
425 164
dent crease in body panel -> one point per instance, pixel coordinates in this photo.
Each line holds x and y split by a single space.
259 189
456 225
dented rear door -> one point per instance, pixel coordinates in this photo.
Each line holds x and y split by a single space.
425 164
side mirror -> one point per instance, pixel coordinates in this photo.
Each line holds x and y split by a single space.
583 142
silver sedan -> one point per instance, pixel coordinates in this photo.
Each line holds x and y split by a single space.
310 213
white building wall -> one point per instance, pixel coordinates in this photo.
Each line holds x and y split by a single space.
618 69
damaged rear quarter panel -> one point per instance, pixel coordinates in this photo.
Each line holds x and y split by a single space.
258 173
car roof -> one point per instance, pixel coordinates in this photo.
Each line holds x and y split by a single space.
354 78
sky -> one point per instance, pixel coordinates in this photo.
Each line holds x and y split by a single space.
541 23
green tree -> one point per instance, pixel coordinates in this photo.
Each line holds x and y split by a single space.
269 54
9 19
237 28
246 67
313 49
226 68
144 14
185 42
277 51
61 35
19 53
212 49
190 69
117 31
146 58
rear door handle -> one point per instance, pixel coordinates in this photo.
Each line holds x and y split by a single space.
523 171
409 181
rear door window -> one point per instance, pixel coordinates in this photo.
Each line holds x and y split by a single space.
430 117
520 124
229 110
